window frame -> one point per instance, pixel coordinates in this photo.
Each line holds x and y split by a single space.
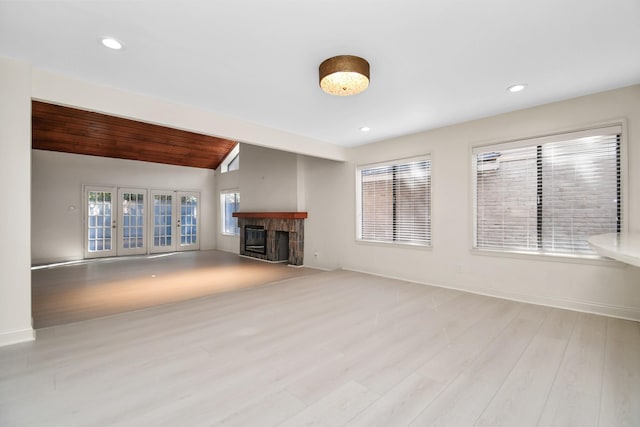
233 155
556 136
358 201
223 217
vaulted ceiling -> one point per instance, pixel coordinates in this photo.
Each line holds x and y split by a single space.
433 63
70 130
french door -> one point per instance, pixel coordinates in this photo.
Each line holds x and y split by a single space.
100 238
188 223
175 225
116 221
131 223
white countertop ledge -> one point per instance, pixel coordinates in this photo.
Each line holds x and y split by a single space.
623 247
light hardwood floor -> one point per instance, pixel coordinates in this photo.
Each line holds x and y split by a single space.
104 287
329 349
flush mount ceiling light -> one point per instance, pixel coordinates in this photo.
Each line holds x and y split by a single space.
344 75
111 43
517 88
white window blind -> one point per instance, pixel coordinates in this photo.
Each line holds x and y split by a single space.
548 195
395 202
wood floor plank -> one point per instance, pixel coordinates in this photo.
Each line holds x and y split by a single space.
621 378
372 350
399 361
522 396
335 409
574 399
270 410
466 397
405 401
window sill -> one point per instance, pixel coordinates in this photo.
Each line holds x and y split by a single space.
545 256
229 234
398 245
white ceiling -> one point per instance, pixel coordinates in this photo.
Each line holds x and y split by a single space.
433 63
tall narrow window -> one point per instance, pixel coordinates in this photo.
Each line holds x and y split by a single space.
394 202
548 195
230 203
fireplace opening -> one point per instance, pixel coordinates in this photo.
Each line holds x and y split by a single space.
255 239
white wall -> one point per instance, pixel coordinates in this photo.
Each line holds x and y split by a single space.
57 180
268 181
15 208
604 287
330 201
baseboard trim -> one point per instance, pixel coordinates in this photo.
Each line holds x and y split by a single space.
591 307
15 337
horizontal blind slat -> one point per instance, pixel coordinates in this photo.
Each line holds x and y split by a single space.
576 181
395 202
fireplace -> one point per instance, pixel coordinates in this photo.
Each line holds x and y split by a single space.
272 236
255 239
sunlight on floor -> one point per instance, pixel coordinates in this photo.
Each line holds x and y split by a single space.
70 292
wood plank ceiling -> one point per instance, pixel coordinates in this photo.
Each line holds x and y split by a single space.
70 130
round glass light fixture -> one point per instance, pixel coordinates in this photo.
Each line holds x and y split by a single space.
111 43
365 129
344 75
517 88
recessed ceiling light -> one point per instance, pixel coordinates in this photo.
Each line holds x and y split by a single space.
365 129
111 43
517 88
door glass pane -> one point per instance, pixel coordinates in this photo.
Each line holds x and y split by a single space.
188 220
132 220
99 224
162 213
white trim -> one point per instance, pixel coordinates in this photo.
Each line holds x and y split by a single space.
230 190
548 256
222 210
398 245
15 337
179 226
557 137
114 221
419 158
591 307
358 198
616 126
119 211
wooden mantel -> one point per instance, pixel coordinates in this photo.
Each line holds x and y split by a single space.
271 215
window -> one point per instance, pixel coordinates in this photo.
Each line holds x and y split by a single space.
232 161
548 195
234 164
230 203
394 202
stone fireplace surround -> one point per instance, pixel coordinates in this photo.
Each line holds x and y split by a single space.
273 222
